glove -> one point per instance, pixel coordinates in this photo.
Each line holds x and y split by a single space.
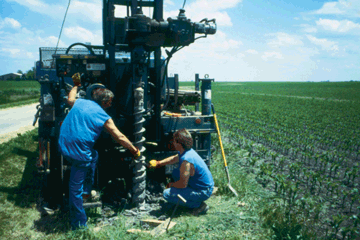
169 185
76 79
153 164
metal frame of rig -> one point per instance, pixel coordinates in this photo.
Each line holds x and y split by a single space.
148 106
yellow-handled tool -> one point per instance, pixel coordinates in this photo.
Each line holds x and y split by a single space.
222 151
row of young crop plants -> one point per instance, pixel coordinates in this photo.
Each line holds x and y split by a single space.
335 91
308 154
329 125
318 194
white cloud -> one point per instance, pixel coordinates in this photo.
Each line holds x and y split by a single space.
17 53
308 28
330 8
30 55
284 39
39 6
307 52
50 41
90 11
210 9
252 51
213 55
337 26
326 69
311 30
219 43
83 35
9 22
324 43
23 45
212 5
12 51
268 55
226 44
196 15
340 7
169 2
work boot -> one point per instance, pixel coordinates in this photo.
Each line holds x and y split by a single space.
202 209
93 197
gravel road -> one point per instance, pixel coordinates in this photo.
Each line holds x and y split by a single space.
16 120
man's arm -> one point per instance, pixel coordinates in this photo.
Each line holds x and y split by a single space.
184 176
72 95
168 160
118 136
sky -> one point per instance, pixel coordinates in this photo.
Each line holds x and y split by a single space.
256 40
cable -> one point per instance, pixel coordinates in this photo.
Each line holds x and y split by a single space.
173 50
200 37
167 60
184 4
62 28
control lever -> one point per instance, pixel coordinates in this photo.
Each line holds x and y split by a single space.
37 115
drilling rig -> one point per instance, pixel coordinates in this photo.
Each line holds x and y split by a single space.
148 106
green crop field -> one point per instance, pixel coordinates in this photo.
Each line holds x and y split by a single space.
304 140
14 93
293 152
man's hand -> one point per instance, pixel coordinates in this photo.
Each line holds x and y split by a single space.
76 79
153 164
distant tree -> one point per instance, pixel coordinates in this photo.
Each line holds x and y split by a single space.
19 71
30 74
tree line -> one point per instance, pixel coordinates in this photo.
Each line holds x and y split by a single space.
28 75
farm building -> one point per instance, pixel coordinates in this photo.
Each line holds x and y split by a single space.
10 76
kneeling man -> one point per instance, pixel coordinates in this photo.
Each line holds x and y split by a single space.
193 179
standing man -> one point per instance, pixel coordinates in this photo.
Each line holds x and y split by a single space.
78 133
193 179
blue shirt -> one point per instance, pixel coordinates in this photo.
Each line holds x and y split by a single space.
202 178
79 131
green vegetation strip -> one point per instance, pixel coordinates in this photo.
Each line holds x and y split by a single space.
16 93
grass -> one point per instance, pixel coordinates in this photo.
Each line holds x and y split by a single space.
16 93
228 218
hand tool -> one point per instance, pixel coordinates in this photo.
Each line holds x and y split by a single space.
177 204
222 151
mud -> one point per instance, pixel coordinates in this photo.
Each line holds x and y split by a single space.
155 207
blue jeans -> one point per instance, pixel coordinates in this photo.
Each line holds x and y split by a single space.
81 181
193 197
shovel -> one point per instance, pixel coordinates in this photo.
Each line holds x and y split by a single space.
222 151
